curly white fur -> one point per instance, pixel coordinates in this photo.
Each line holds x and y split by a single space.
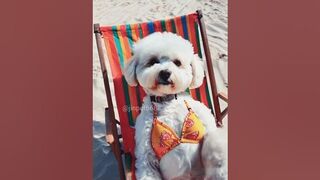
206 160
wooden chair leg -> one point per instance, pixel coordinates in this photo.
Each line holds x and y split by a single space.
111 116
212 80
112 138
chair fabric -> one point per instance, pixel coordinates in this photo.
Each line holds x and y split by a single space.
119 41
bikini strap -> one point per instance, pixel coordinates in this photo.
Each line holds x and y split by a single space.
189 108
155 111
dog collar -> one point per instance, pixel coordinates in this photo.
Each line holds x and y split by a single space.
160 99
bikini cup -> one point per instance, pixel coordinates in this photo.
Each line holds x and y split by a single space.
164 139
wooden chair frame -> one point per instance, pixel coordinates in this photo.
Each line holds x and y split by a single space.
112 126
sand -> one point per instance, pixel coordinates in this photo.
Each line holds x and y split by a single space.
112 12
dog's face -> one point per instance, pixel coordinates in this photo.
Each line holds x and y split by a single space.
164 63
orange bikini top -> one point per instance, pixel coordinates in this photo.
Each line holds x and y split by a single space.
164 139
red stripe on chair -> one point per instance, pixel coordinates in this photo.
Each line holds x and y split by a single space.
179 27
192 39
144 28
157 26
192 33
168 25
203 94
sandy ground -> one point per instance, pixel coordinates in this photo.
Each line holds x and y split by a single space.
111 12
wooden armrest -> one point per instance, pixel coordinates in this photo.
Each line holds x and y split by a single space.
223 96
109 138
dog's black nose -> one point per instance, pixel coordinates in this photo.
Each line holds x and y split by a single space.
164 75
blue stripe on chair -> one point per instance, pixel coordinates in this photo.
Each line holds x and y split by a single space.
151 27
185 28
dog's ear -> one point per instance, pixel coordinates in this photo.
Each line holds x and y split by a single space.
129 71
197 72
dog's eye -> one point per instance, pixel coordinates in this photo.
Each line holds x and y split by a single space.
152 61
177 62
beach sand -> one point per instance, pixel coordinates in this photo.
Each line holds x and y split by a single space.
113 12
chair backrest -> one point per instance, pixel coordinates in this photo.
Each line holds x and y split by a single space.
119 41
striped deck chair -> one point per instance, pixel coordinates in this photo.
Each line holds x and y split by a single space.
118 42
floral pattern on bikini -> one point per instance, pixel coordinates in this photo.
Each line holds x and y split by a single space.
164 139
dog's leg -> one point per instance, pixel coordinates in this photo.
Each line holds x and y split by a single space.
214 156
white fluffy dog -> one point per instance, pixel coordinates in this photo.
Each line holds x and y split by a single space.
165 65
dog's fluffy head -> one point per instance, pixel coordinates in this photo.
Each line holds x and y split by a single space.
164 63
